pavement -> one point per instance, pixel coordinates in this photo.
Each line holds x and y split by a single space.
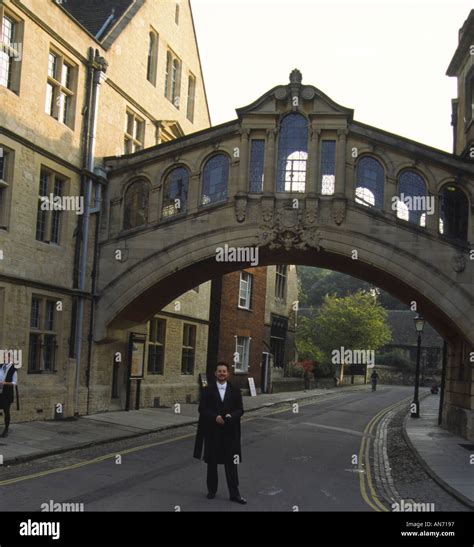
440 452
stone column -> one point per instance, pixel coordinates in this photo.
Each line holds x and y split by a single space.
312 179
340 185
194 195
389 192
243 184
269 182
432 221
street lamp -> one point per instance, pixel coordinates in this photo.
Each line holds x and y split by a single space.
415 406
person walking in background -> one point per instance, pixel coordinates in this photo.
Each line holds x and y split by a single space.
218 430
8 379
373 378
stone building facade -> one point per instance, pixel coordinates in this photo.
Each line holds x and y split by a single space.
78 84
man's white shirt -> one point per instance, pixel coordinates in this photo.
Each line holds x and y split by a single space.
3 374
222 388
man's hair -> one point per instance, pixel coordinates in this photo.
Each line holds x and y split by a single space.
223 364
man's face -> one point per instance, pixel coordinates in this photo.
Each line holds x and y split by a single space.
222 373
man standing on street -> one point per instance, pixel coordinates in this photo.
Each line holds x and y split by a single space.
220 410
8 379
374 377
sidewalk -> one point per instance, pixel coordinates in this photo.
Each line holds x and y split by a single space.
32 440
440 452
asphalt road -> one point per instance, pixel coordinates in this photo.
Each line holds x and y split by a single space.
291 461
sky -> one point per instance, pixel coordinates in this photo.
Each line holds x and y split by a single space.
386 60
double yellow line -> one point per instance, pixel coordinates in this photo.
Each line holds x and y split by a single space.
365 476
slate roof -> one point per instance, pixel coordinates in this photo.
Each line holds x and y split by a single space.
92 14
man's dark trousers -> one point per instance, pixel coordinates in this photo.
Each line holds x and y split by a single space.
231 476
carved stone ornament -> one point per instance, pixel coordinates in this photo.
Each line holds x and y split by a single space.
308 93
240 209
295 76
288 228
339 211
281 93
458 263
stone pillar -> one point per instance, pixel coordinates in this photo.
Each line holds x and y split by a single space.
194 195
242 184
389 192
312 179
269 181
432 221
341 162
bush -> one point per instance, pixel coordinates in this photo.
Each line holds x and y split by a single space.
396 360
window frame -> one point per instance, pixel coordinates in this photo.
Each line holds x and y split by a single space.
6 179
248 285
50 215
281 282
242 367
41 333
155 343
188 348
191 99
173 81
57 108
15 54
152 59
134 139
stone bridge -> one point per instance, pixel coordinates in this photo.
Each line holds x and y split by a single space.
297 180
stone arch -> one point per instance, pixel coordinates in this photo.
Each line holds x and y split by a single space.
161 277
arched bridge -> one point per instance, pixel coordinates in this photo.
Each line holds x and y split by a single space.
298 180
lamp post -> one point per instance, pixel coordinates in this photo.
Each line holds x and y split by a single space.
415 406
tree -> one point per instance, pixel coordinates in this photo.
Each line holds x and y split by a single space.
355 322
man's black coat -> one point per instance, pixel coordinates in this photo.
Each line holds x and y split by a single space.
221 442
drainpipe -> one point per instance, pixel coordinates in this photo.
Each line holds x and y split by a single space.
97 66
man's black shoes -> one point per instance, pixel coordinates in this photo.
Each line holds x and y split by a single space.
239 500
210 496
5 433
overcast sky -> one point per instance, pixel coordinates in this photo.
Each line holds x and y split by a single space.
386 60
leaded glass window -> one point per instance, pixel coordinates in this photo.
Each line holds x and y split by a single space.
292 153
136 205
454 212
412 199
257 154
215 179
370 183
175 192
328 167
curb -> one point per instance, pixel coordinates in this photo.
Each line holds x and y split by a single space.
444 485
30 457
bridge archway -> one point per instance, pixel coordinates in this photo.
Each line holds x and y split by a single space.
142 270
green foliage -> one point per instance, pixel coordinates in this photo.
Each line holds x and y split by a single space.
357 321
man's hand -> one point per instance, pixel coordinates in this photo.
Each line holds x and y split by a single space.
220 420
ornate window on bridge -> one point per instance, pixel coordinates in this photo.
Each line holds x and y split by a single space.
257 154
369 183
328 167
175 192
292 153
215 179
135 205
412 203
453 212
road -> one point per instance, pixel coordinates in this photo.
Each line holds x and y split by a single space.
294 459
